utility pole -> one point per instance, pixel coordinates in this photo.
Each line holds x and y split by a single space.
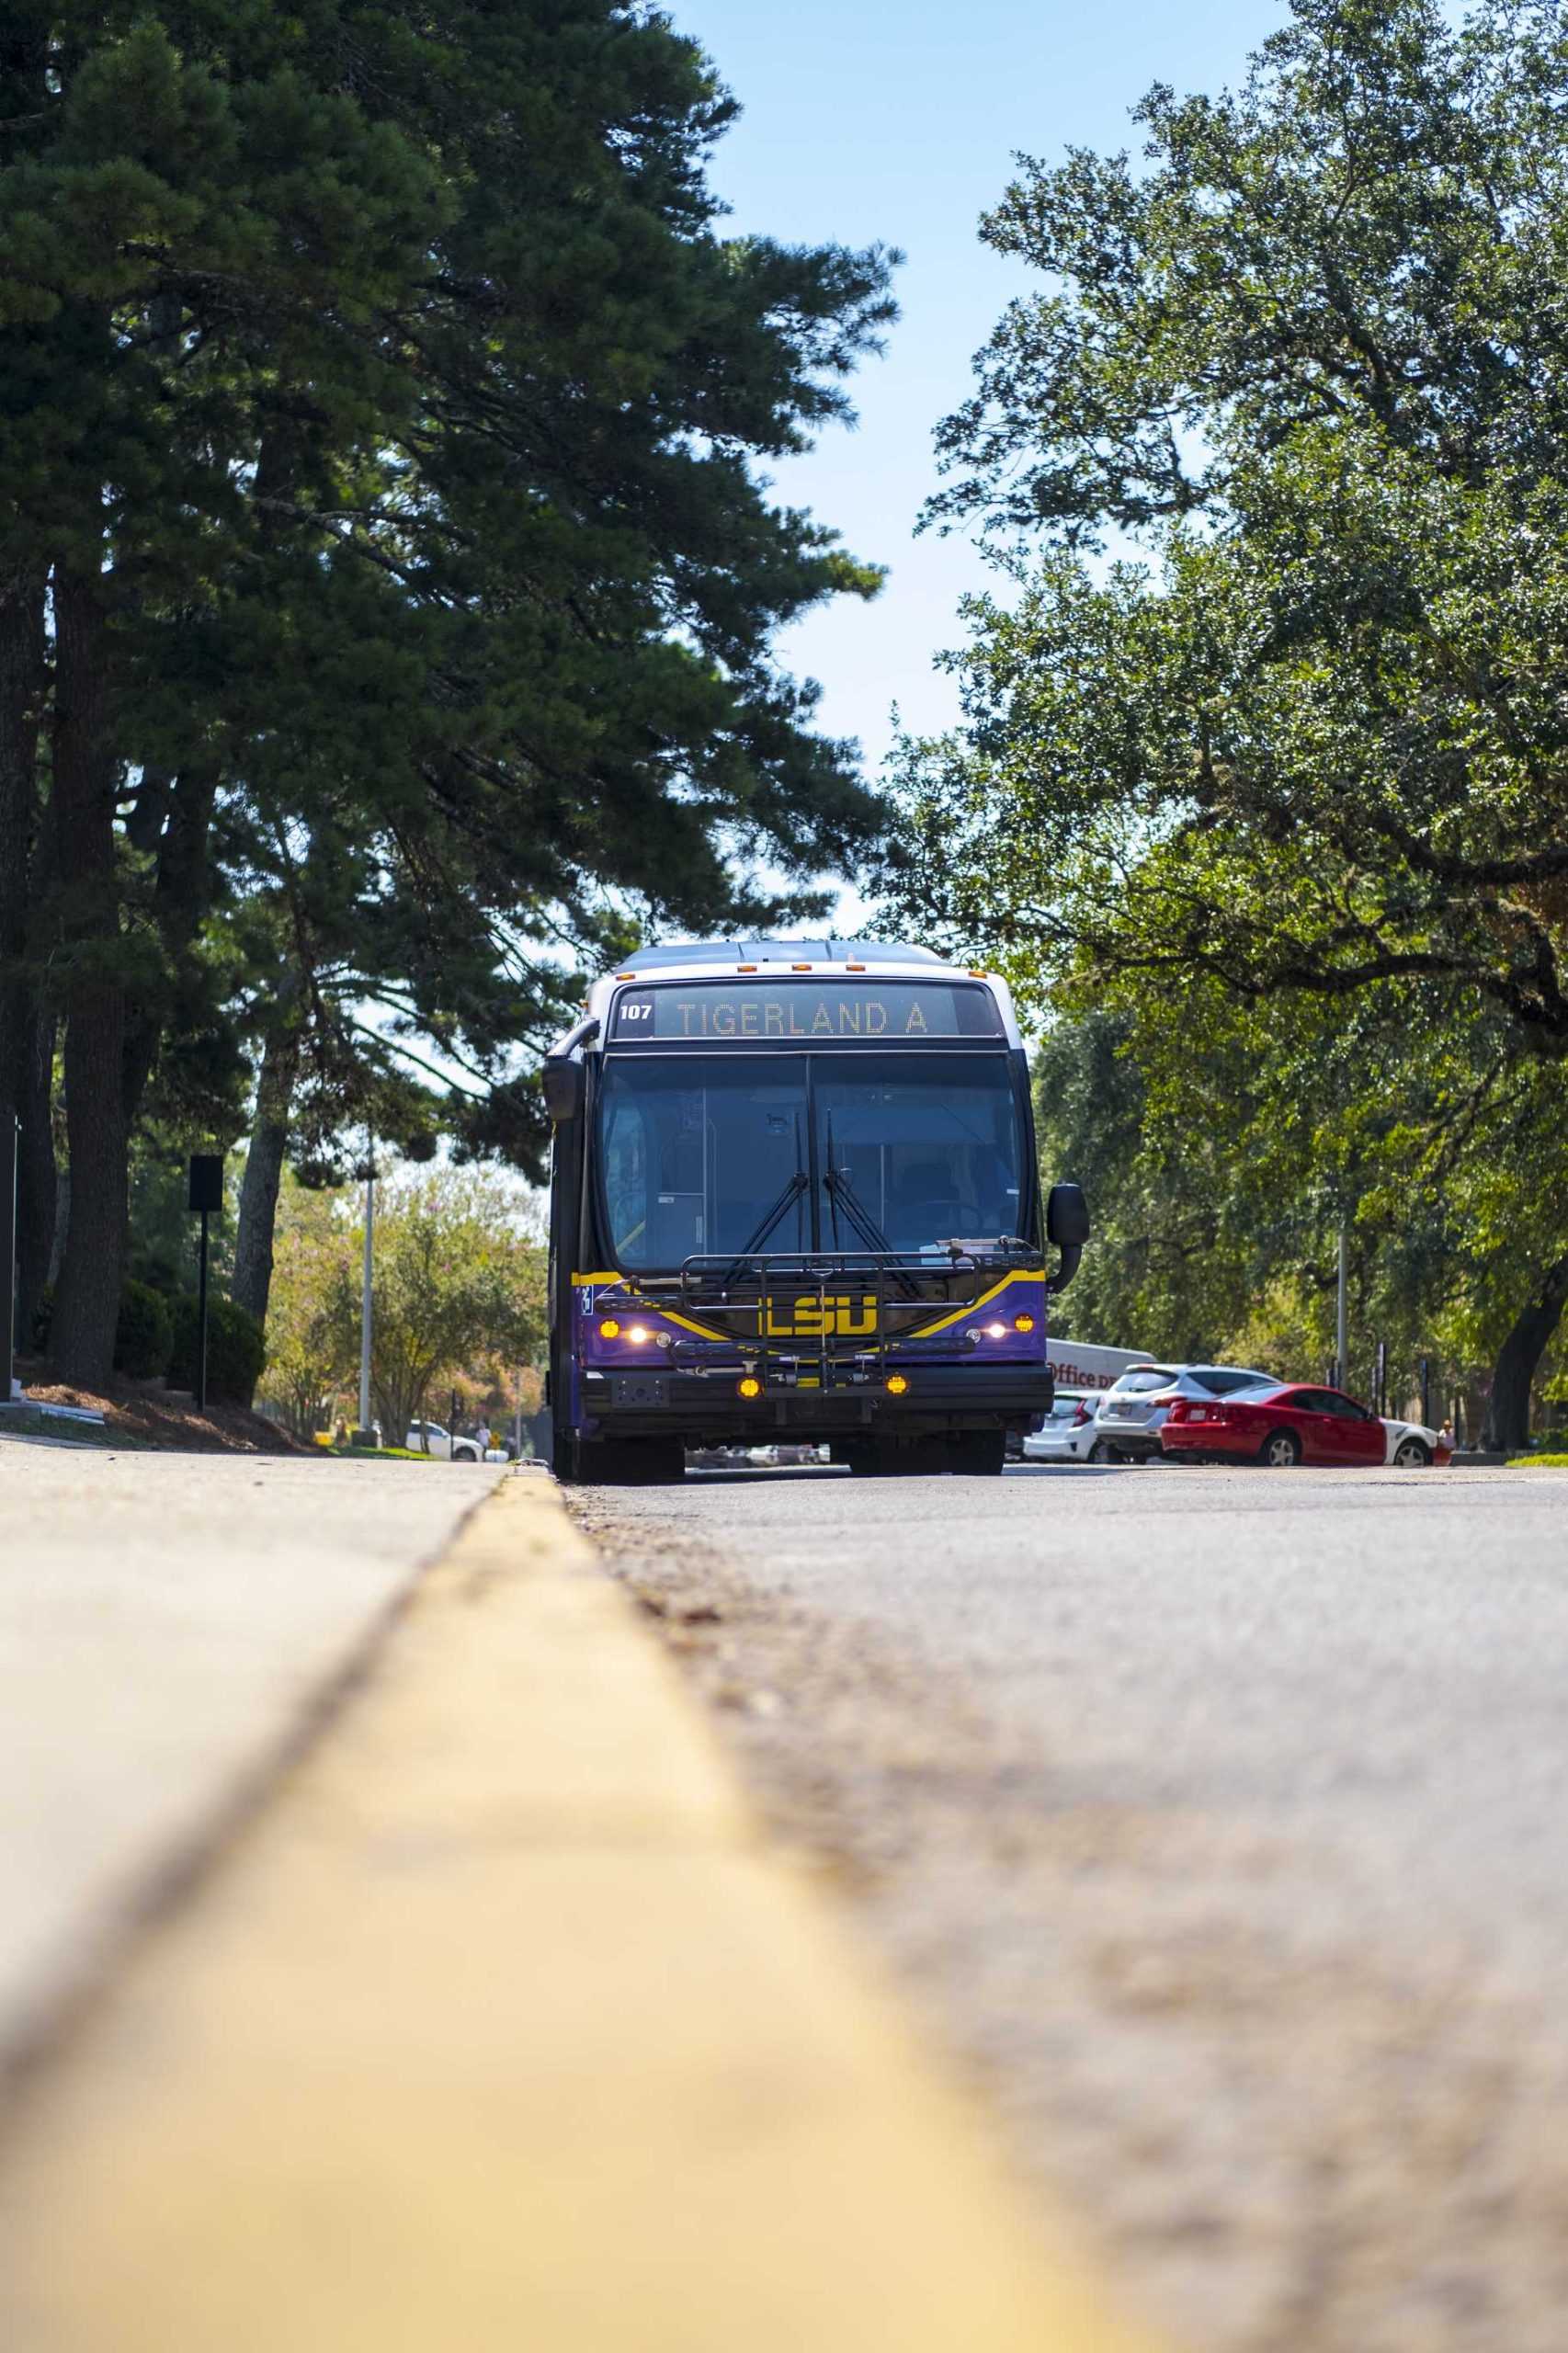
365 1292
1342 1320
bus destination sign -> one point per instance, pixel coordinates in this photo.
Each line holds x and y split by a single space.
810 1012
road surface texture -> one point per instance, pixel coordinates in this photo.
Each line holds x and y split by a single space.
1219 1821
168 1624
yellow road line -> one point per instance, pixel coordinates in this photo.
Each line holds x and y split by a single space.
499 2032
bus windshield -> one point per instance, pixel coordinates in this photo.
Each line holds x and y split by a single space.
708 1154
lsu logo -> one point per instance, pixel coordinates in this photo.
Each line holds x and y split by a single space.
836 1315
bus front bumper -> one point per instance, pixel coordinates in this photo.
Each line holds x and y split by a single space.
710 1405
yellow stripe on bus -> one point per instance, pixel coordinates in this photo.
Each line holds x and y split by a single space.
923 1331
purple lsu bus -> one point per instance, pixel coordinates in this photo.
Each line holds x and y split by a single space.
794 1197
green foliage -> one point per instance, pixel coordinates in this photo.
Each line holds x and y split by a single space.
459 1279
1309 352
457 1293
236 1349
1295 779
308 1350
388 394
143 1338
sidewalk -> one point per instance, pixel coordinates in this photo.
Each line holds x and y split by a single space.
496 2028
168 1626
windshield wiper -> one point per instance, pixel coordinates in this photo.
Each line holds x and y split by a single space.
798 1183
839 1187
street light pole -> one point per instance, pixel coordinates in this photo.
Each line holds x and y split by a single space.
365 1294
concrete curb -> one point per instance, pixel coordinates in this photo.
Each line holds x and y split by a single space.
497 2029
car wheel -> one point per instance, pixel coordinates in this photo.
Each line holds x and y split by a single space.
1099 1452
1411 1454
1281 1450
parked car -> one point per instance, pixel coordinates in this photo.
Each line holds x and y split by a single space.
1068 1432
1284 1423
1414 1444
429 1437
1133 1411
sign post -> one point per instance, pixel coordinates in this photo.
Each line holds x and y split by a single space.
206 1195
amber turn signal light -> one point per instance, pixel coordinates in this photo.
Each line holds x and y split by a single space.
749 1387
896 1384
609 1329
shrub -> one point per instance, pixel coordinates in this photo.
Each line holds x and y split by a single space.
236 1348
144 1334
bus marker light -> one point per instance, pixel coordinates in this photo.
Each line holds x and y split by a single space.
637 1333
799 968
749 1387
746 968
1023 1323
854 968
609 1329
625 976
896 1384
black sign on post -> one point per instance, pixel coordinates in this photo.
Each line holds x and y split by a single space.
206 1195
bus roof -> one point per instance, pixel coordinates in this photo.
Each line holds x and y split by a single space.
655 956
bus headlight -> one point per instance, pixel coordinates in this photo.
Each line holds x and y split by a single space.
992 1332
637 1333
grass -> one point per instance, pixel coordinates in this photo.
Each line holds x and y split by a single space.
1538 1461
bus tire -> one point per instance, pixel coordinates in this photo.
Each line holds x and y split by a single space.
893 1457
977 1454
629 1461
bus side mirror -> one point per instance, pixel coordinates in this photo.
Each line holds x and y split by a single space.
564 1085
1067 1227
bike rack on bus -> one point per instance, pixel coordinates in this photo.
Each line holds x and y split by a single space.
709 1280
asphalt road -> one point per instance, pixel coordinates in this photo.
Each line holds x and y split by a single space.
1219 1820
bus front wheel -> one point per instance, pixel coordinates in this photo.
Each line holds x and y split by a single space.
627 1463
977 1454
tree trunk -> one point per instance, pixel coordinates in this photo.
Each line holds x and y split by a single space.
38 1179
86 1302
22 677
1508 1413
251 1283
181 897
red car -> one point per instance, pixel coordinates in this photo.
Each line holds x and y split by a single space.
1279 1424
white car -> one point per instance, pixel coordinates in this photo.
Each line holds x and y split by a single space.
1069 1434
429 1437
1413 1446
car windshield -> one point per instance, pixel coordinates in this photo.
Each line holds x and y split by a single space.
708 1154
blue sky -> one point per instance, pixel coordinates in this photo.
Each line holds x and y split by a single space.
864 122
